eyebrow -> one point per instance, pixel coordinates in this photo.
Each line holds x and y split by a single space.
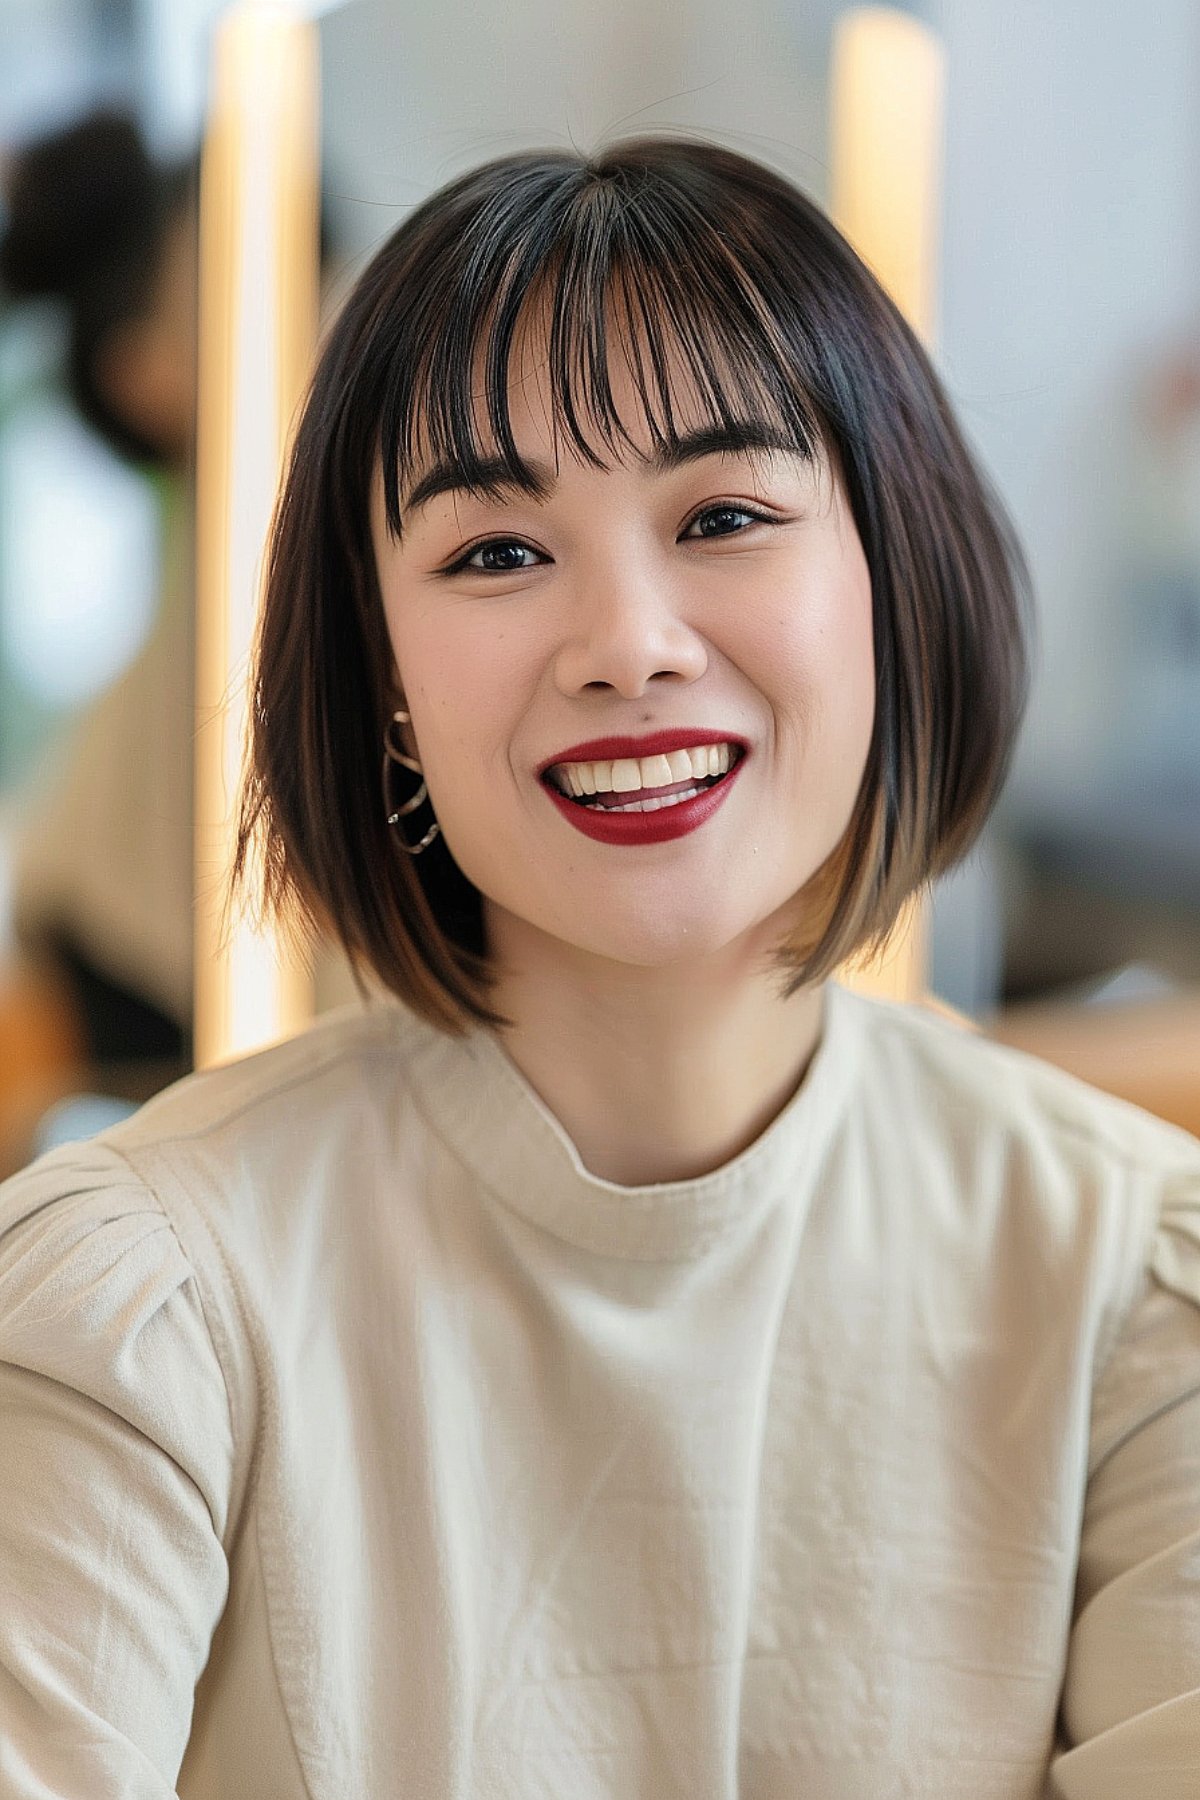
539 480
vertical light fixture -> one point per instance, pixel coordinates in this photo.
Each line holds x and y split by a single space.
887 86
259 223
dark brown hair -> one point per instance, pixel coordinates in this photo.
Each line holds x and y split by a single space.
696 250
89 211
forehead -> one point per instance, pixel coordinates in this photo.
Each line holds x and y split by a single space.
550 384
546 435
615 392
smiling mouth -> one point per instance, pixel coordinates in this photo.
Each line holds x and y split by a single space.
649 799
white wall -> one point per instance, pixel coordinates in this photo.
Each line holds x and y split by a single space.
1072 240
55 61
415 93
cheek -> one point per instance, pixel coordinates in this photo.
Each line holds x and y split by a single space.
815 646
852 639
461 671
848 684
460 677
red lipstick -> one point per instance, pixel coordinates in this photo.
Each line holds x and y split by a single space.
609 826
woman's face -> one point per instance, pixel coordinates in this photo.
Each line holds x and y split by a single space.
729 593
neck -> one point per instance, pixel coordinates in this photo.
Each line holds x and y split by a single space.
660 1074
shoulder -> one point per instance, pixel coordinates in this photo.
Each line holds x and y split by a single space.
1025 1165
99 1296
264 1164
132 1266
968 1083
80 1211
304 1082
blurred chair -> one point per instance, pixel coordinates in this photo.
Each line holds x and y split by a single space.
1135 1035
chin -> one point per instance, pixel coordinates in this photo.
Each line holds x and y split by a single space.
669 943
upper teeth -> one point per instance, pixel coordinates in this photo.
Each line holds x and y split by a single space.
625 776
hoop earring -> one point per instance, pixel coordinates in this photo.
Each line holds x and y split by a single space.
391 754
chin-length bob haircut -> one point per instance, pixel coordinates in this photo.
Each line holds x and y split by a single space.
697 252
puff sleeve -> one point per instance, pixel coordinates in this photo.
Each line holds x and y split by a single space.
116 1459
1130 1714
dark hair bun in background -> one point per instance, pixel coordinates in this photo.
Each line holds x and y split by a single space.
78 202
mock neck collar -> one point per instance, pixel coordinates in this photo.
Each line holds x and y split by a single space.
481 1105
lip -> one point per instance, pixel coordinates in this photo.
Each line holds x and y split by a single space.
666 822
657 744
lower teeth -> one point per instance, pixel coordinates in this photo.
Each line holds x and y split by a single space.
644 805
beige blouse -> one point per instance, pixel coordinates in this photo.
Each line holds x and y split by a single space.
356 1441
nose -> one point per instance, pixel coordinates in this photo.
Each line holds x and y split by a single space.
624 627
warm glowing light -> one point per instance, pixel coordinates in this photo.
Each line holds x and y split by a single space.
258 319
888 78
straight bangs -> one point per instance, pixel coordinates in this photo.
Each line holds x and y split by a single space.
597 269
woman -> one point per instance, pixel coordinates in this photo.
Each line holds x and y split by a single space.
625 1362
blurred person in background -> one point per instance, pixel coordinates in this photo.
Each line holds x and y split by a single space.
102 880
100 993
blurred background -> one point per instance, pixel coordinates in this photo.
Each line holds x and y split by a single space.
1068 337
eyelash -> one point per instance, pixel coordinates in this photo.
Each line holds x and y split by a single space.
462 566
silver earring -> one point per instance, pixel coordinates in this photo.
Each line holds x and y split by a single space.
393 754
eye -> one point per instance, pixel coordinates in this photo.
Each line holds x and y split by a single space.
469 564
728 512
